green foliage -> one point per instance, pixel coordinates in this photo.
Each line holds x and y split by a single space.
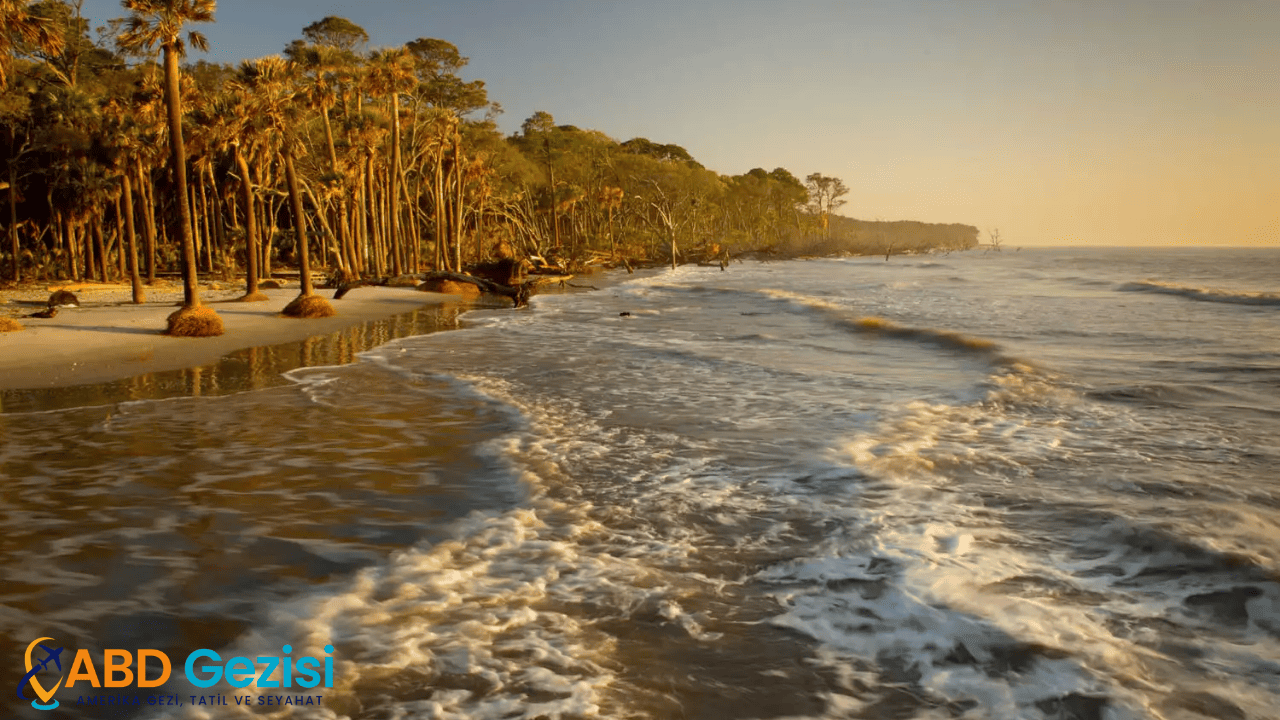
336 32
158 23
643 146
538 124
77 54
209 77
394 167
437 63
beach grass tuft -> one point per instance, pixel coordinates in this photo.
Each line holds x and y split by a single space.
253 297
195 322
10 325
309 306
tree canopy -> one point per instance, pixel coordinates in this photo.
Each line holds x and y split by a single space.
397 161
336 32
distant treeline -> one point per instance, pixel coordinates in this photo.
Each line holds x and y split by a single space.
375 162
874 237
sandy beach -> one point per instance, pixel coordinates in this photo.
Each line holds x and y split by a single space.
108 338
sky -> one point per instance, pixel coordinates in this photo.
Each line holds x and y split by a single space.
1055 122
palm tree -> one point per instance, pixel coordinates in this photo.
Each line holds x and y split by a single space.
122 130
159 22
241 131
230 125
19 25
323 62
391 72
271 82
366 135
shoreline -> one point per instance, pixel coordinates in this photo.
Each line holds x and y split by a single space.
108 351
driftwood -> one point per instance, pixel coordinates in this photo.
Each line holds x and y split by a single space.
348 286
547 279
519 293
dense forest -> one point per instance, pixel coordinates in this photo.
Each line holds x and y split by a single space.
125 160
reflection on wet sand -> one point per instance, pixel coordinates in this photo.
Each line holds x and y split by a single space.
249 369
182 524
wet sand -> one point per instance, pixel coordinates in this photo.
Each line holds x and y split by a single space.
104 340
109 350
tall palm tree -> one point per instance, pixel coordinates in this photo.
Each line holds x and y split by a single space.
159 22
242 130
391 72
366 136
19 25
121 129
323 65
271 80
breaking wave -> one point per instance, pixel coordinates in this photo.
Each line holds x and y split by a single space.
1232 297
875 325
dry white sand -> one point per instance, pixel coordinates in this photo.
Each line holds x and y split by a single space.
108 338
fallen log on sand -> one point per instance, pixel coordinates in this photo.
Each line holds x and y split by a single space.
519 293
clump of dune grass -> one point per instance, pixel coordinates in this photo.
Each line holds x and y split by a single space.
64 298
253 297
10 325
195 322
309 306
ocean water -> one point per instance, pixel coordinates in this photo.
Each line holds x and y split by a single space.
1032 484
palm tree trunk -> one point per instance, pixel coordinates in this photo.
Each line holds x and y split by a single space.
477 235
250 231
344 237
384 221
130 246
120 267
148 221
13 222
99 245
457 201
299 223
394 214
206 224
66 244
412 251
79 236
218 211
437 201
371 234
269 218
198 238
173 102
361 240
327 234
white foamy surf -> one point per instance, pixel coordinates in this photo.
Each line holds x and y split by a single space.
965 487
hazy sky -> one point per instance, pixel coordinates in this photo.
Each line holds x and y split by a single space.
1116 122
